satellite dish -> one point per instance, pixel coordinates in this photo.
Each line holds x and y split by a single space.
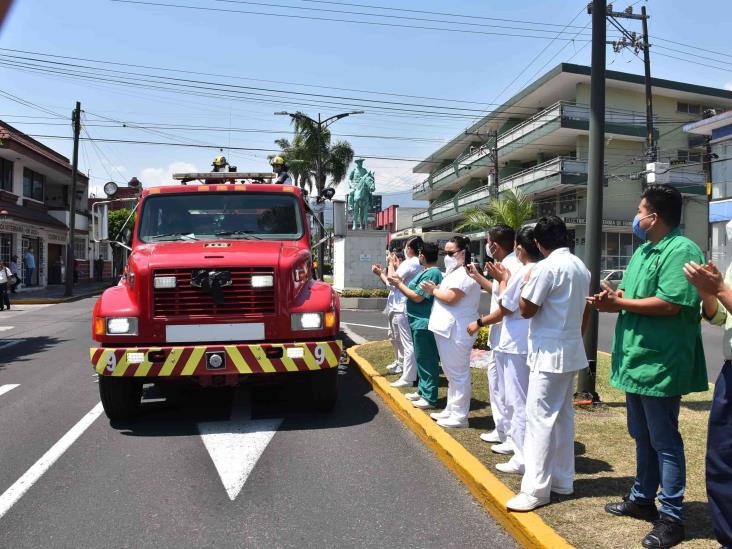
110 189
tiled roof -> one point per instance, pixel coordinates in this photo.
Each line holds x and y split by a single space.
22 213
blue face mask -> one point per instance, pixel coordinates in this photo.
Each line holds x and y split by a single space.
639 231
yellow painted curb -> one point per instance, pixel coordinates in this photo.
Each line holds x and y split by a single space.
39 301
527 528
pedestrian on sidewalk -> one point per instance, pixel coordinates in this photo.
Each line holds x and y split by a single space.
30 266
5 279
396 366
14 270
500 247
553 297
406 271
419 308
716 296
513 346
657 357
455 307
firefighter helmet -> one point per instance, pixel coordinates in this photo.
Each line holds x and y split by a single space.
219 162
278 161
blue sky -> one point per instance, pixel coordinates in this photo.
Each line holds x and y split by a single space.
249 48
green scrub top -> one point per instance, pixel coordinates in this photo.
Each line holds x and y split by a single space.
418 314
660 356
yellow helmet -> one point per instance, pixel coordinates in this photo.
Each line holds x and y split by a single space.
278 161
219 161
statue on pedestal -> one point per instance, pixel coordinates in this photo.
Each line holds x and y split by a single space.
361 187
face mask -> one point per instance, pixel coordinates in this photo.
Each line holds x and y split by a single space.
729 231
639 231
488 251
450 263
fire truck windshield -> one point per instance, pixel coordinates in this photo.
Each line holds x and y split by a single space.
227 215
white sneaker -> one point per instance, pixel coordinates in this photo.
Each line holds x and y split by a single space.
401 383
440 415
504 448
510 468
452 422
563 490
412 396
394 369
525 502
422 404
493 437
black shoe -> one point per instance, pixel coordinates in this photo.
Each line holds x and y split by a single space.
628 508
666 533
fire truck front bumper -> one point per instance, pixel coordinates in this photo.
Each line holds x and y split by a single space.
215 360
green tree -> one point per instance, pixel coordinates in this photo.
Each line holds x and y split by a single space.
116 222
298 158
513 208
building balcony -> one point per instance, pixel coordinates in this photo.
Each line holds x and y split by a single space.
453 208
555 174
554 127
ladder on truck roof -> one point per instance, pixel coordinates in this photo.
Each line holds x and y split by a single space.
224 177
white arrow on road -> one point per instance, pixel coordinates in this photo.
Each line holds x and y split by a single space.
236 445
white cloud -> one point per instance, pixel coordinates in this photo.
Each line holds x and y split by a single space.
728 86
390 178
155 177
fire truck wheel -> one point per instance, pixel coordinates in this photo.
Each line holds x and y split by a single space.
120 397
324 389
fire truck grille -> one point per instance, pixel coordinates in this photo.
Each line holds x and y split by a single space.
239 299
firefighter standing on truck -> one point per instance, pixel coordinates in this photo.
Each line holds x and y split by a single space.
280 168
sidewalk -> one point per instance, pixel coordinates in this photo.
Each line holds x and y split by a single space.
55 293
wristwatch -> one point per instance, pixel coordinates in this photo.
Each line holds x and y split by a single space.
480 322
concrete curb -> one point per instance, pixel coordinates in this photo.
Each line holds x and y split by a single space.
364 303
528 529
52 300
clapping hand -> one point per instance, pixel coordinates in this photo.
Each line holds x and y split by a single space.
377 269
428 287
473 271
707 279
498 272
607 301
394 279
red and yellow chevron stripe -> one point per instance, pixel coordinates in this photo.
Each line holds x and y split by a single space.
191 360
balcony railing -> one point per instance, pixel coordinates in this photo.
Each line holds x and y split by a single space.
562 165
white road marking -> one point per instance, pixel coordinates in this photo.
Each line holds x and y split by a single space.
11 496
365 325
6 328
357 339
236 445
7 388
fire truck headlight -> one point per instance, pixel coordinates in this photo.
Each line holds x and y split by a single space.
122 326
262 281
307 321
165 282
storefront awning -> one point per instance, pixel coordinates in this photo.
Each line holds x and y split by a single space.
29 215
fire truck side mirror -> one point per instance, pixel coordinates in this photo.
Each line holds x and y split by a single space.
100 223
127 236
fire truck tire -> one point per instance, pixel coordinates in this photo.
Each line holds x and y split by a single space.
324 389
120 397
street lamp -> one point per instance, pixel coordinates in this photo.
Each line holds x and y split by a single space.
320 176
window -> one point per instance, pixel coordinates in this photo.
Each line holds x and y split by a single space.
689 156
33 183
690 108
567 202
548 207
6 175
617 250
80 248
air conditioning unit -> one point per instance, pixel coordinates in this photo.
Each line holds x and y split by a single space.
658 172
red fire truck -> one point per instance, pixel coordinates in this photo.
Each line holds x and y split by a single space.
218 290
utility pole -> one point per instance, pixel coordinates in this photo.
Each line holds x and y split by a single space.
650 138
76 122
593 236
494 153
319 172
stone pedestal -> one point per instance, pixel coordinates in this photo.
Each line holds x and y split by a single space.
353 255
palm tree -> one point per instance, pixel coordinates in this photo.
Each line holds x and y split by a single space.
298 160
514 209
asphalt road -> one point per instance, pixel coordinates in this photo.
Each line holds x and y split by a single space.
353 478
371 325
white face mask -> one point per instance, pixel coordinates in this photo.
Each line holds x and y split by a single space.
450 263
729 231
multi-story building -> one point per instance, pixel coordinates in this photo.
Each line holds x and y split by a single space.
717 131
542 146
35 184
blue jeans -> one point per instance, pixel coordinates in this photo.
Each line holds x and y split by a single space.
659 452
29 275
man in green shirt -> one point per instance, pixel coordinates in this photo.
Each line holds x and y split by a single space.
657 357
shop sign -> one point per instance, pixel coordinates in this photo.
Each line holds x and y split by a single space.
56 237
605 222
25 230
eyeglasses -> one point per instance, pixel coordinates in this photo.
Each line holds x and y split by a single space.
452 253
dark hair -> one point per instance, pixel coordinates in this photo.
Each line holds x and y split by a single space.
430 251
399 255
503 235
414 244
525 239
463 243
665 201
551 232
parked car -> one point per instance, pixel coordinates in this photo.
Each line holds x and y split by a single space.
612 277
